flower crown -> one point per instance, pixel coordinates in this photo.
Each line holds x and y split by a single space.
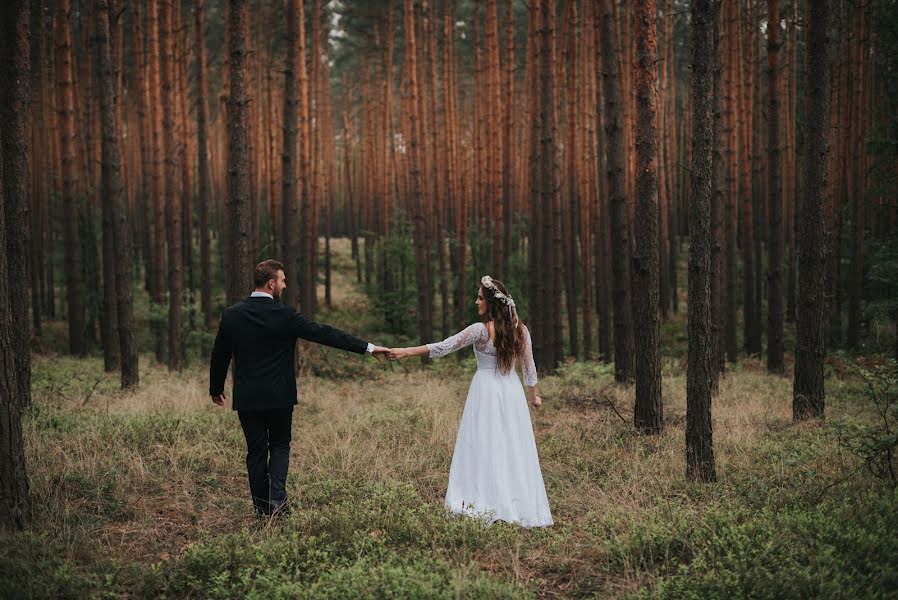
487 282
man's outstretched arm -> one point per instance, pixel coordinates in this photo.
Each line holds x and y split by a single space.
331 336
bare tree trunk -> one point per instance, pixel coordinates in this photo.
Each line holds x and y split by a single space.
66 106
700 369
113 202
569 238
774 179
172 192
648 412
205 174
856 272
15 503
808 393
289 203
238 158
157 291
624 369
422 262
15 117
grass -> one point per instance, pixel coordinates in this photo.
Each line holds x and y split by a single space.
144 494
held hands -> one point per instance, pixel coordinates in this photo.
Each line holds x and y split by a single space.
380 352
398 353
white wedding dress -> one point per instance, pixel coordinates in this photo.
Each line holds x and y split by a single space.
495 472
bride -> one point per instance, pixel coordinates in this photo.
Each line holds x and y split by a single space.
495 471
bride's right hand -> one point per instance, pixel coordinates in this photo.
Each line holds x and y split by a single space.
536 402
396 353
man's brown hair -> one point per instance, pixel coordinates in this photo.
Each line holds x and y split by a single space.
265 270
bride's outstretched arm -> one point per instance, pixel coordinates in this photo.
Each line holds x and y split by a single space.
460 340
400 353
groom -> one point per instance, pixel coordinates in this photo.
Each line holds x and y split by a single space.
260 333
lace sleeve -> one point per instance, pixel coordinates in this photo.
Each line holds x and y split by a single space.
528 366
462 339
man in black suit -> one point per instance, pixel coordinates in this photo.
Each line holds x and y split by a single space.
261 333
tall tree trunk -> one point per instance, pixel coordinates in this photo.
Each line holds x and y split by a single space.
808 393
572 200
289 203
66 106
648 411
113 202
15 122
238 157
205 174
718 176
157 292
602 212
624 369
422 262
15 503
306 275
700 368
750 316
858 225
167 34
774 182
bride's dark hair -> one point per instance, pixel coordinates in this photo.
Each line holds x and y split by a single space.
509 341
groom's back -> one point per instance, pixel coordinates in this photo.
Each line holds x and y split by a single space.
263 347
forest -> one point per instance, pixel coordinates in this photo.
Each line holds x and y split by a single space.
694 204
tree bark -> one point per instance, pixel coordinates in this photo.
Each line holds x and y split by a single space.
775 197
172 192
620 230
205 174
699 373
422 262
808 393
238 158
289 204
66 107
15 123
648 412
15 502
113 203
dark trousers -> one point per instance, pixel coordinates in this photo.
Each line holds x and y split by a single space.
267 455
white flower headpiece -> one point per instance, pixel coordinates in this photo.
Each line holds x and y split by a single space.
487 282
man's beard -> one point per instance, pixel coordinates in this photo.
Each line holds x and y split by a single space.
275 294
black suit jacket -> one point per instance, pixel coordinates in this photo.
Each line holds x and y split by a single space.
261 336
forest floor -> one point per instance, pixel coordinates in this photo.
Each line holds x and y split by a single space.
143 494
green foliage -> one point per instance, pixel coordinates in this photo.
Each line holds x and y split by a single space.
838 550
882 303
395 295
279 564
876 442
36 566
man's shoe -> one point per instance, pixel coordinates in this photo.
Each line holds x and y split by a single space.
280 509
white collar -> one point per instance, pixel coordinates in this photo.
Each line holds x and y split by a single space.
261 295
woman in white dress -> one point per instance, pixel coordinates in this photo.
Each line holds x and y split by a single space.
495 471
